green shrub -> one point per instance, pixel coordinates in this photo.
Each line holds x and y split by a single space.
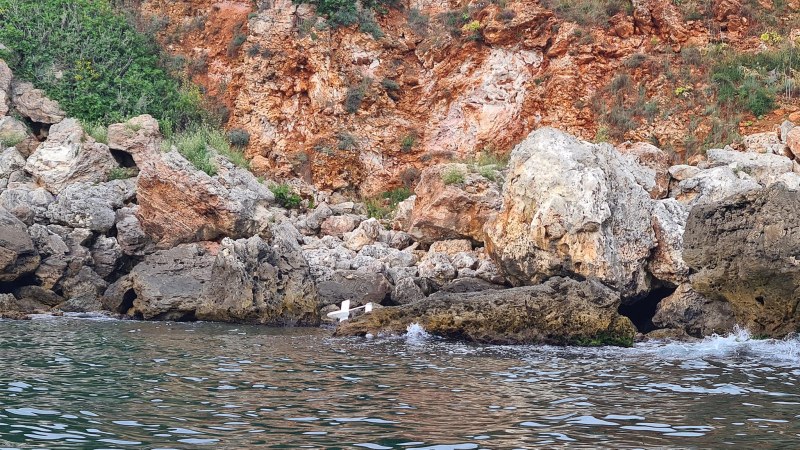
238 137
384 206
355 95
389 84
90 59
755 81
588 12
9 139
285 196
343 13
346 141
418 21
453 176
367 24
97 131
121 173
196 145
408 142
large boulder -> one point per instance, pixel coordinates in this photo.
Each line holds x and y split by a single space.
139 137
33 104
765 168
253 281
167 284
573 208
179 203
18 256
744 250
666 262
692 185
653 158
560 311
689 311
69 156
246 280
89 205
27 202
447 207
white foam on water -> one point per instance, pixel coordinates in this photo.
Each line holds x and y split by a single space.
738 343
416 333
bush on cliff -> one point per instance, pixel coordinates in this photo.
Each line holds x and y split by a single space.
343 13
92 61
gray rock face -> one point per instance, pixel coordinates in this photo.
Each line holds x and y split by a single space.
247 280
698 316
67 157
27 202
106 254
38 294
169 283
558 311
694 186
669 221
18 256
571 207
86 205
406 291
32 103
358 287
765 168
18 308
339 225
437 266
744 250
10 161
83 291
252 282
130 235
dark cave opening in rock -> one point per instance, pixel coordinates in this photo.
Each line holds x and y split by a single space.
39 130
124 159
641 311
127 301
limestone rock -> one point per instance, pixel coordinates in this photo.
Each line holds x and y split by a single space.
12 130
764 143
178 203
10 161
32 103
139 137
651 157
437 266
83 291
253 282
318 216
669 222
15 308
339 225
169 284
130 235
451 247
744 250
367 233
87 205
694 186
18 256
698 316
403 212
106 254
406 291
67 157
560 311
38 294
452 211
27 202
571 207
765 168
358 287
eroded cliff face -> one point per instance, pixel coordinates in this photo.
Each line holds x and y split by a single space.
348 112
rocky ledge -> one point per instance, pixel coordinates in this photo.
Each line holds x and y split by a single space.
571 242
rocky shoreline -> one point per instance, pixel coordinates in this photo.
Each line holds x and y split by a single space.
571 243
